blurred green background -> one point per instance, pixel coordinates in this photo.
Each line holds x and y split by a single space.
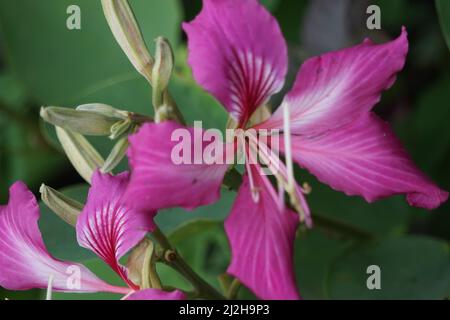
44 63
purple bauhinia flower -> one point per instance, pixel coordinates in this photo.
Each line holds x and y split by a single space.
238 54
105 226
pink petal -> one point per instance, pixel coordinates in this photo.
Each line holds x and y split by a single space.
237 52
155 294
337 88
365 158
25 263
107 226
158 182
261 238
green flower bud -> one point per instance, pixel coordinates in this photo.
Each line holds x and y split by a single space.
162 70
125 29
65 207
80 152
117 153
80 121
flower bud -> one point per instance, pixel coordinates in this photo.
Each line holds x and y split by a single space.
80 121
141 265
117 153
80 152
65 207
105 110
162 70
125 29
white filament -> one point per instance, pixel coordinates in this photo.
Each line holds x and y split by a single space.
49 288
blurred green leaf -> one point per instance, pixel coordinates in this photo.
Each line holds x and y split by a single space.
411 268
314 252
21 295
28 158
429 135
12 93
171 219
194 102
290 15
67 63
271 5
190 229
383 217
203 244
443 9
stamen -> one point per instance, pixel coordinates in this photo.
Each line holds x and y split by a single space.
125 297
306 188
280 187
49 288
288 147
296 193
254 190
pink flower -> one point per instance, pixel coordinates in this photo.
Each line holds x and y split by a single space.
238 54
105 226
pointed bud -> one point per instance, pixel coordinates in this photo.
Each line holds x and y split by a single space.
125 29
117 153
162 70
65 207
80 152
81 121
141 265
105 110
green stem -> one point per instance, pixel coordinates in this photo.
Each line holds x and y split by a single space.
233 290
233 180
203 289
340 227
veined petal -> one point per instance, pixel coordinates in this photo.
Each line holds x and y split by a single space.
109 227
169 169
155 294
25 263
262 239
365 158
338 87
237 52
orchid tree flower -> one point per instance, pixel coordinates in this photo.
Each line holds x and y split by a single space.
105 226
237 53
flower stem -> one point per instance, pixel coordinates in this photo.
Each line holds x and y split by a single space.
172 258
233 290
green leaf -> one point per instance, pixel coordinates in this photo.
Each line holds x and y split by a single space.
67 64
429 134
271 5
411 268
190 229
27 158
193 101
170 219
11 91
387 216
203 244
314 253
443 9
